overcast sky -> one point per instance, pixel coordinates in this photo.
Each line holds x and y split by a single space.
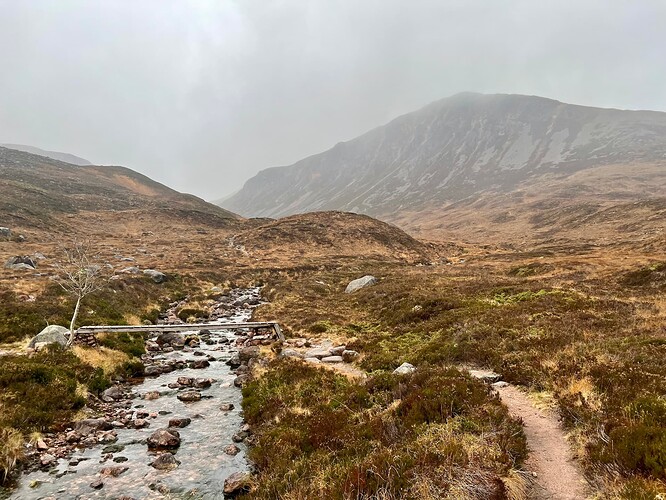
201 95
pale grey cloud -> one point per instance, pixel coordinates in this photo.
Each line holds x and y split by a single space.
203 94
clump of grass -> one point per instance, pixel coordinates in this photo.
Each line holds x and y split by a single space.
132 344
11 451
321 435
188 313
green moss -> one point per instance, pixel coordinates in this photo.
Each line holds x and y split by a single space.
132 344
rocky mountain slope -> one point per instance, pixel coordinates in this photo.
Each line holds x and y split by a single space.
36 190
448 159
66 157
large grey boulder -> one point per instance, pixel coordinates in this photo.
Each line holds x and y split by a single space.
21 262
52 334
156 276
360 283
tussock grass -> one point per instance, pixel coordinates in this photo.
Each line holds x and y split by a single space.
109 360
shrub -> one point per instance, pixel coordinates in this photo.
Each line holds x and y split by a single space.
132 344
11 451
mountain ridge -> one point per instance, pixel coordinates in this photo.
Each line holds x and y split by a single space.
466 147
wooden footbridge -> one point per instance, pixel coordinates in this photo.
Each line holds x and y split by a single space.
185 327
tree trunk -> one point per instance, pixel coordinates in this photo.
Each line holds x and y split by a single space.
71 325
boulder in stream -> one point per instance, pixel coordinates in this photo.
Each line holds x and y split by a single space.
164 438
165 462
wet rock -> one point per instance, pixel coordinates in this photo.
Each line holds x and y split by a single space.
348 355
332 359
359 283
189 396
234 361
231 449
247 353
174 385
97 484
240 436
140 423
153 371
165 462
71 437
180 422
199 364
186 381
47 460
175 340
114 393
164 438
107 437
199 353
120 460
227 406
203 383
113 471
192 341
241 380
237 483
113 448
91 425
404 369
151 396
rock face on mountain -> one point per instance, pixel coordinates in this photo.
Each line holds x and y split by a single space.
455 149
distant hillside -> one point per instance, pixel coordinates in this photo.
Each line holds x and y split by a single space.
471 157
332 234
66 157
35 189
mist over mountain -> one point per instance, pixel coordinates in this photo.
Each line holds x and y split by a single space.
461 147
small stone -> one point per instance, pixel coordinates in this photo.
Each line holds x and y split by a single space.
151 396
227 406
241 380
199 364
140 423
313 360
337 351
500 384
240 436
47 459
186 381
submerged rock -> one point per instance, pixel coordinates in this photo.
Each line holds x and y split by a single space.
165 461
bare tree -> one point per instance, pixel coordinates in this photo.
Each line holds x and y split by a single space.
79 274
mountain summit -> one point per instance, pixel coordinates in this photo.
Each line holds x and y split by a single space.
457 149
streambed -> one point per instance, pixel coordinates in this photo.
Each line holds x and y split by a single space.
204 464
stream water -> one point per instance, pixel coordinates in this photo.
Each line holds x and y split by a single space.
203 464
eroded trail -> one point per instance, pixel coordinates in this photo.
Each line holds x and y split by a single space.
558 476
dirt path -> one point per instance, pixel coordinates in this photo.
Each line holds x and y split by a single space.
558 476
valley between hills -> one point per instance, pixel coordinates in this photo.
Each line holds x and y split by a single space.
554 284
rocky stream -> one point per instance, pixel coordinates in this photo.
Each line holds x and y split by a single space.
178 433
